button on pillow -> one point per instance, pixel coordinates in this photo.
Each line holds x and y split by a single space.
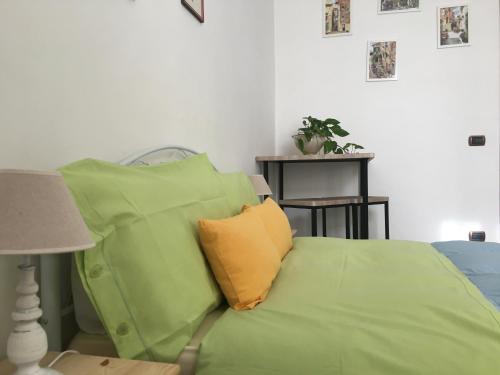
242 256
276 223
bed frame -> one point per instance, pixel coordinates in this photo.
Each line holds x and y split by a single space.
56 294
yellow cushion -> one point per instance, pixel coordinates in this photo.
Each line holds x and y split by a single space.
276 223
242 256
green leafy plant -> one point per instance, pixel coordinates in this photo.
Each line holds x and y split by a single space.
326 129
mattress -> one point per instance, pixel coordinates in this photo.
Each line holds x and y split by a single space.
93 344
102 345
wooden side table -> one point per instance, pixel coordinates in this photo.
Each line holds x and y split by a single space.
77 364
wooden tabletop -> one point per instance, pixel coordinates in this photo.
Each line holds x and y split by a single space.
317 157
77 364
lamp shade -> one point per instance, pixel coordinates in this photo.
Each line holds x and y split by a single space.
38 215
260 185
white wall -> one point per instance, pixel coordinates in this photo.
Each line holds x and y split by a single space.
417 126
103 79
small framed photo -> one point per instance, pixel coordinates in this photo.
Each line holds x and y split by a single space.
381 62
196 7
336 17
453 26
398 6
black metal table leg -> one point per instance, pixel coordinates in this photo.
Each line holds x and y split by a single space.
355 223
265 172
386 215
323 213
281 182
363 192
314 222
347 223
265 166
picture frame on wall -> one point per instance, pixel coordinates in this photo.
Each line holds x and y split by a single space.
336 17
196 7
381 61
398 6
453 26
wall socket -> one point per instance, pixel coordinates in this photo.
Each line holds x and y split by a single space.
477 140
477 236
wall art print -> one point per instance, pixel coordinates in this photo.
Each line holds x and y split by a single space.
381 61
453 26
336 17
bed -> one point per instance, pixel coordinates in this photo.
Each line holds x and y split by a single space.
338 307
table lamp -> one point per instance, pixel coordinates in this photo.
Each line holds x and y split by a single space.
37 216
260 185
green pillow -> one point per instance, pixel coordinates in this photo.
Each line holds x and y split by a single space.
239 191
147 277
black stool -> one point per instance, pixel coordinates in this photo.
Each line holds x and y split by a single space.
315 204
348 203
358 202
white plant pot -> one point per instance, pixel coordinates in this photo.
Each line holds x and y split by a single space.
311 147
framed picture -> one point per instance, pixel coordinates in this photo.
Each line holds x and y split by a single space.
453 26
381 62
196 7
336 17
398 6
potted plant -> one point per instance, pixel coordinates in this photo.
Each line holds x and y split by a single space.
316 134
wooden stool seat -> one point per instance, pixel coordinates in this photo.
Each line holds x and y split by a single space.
347 202
329 201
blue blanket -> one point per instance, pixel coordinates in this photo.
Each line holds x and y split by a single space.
479 261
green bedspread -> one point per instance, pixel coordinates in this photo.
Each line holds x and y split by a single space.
360 308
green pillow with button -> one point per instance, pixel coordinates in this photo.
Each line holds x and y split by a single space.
147 277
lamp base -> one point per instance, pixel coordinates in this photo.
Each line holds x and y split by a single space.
27 343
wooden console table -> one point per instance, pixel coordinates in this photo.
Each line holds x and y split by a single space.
361 158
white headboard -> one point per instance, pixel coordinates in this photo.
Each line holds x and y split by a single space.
160 155
56 293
